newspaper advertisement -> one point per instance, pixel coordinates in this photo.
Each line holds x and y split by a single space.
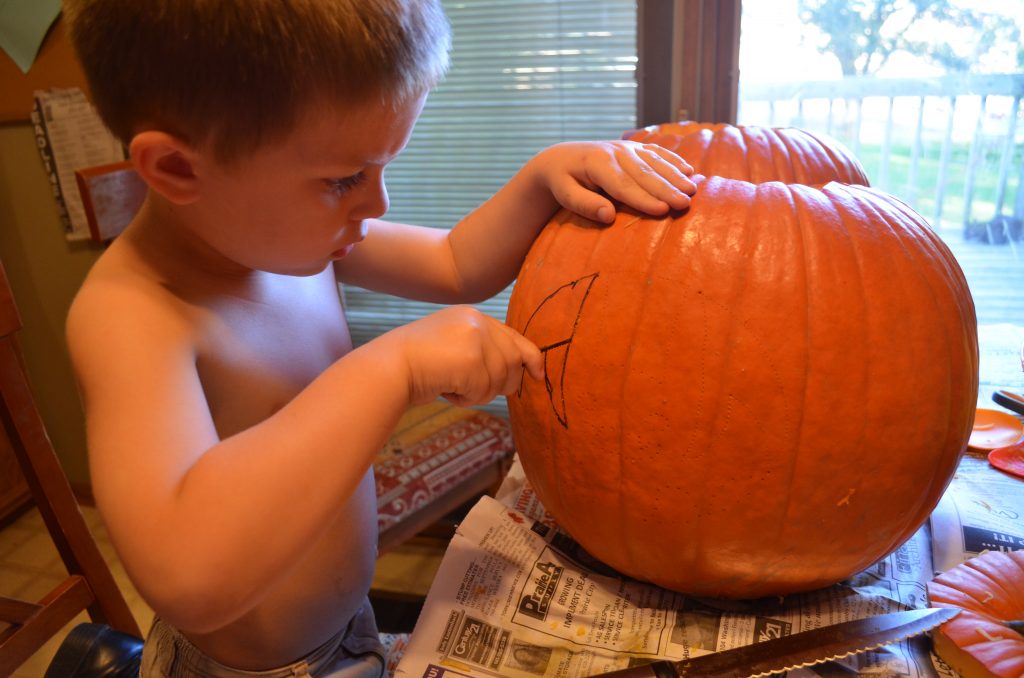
982 510
517 597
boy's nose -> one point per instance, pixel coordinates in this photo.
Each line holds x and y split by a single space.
375 200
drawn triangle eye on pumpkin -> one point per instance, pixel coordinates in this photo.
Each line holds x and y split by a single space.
552 327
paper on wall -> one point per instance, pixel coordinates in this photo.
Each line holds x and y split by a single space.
70 136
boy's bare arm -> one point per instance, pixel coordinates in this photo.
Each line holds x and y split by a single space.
483 252
184 507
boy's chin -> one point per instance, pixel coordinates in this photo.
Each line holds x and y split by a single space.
301 271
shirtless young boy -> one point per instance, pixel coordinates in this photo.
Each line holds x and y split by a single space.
231 424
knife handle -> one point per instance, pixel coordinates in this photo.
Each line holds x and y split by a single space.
658 669
1009 400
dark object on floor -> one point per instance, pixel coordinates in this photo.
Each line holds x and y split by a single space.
96 651
395 612
999 231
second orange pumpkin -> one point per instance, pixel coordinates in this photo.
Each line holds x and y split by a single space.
757 154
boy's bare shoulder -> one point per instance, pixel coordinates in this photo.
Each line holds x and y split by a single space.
119 304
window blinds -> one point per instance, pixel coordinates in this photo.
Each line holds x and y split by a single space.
524 75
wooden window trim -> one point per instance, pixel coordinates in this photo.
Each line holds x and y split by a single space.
688 60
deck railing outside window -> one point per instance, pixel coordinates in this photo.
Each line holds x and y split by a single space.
951 146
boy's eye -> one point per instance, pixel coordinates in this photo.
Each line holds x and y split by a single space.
344 184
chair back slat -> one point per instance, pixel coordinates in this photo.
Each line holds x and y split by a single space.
10 320
90 585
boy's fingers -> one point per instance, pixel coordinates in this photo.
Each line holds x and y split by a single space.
585 201
533 362
531 359
672 158
640 189
646 181
670 167
656 175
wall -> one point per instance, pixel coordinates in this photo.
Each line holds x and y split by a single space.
44 271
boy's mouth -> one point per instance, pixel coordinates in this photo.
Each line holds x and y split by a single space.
338 254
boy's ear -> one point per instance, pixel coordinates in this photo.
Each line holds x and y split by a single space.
167 164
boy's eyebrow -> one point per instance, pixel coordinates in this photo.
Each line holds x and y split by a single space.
327 156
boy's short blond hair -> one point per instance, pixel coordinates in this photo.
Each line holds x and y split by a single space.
236 74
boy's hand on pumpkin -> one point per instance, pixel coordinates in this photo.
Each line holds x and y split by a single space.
582 176
465 356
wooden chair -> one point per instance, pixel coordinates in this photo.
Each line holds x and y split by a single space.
89 585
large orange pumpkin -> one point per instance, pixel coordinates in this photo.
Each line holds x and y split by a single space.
757 154
764 394
989 590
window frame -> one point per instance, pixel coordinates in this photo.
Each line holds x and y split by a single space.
688 60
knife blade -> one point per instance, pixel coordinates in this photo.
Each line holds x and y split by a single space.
799 649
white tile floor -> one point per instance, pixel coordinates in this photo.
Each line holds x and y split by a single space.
30 567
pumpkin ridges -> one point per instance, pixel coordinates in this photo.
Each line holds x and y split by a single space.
827 162
988 571
850 172
687 446
718 441
696 145
911 261
789 154
986 575
899 261
837 233
631 422
974 656
624 503
772 218
801 144
894 266
622 525
554 460
597 241
950 264
784 168
853 214
730 155
921 259
543 245
954 277
764 161
816 245
987 588
941 254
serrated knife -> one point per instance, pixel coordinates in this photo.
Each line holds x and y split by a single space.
799 649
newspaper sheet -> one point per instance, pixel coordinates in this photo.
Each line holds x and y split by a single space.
982 510
517 597
1001 363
